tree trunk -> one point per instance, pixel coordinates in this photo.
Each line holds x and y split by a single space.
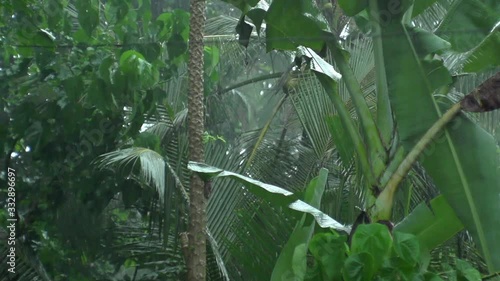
198 221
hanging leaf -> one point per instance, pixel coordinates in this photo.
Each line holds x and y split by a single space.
274 194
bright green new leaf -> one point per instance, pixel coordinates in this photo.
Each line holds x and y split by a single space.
374 239
139 71
406 247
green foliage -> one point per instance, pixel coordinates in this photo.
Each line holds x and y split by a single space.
80 80
374 254
449 159
413 90
105 80
329 252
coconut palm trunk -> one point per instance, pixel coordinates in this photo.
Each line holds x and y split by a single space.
198 221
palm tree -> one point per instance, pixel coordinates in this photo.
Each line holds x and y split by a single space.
198 190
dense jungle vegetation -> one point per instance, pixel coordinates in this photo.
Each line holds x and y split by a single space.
316 139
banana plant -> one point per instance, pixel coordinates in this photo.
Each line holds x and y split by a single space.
417 65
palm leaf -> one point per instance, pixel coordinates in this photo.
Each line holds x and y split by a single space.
152 165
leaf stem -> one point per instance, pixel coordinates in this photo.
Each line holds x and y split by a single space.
384 202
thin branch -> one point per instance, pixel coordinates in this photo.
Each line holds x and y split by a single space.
250 81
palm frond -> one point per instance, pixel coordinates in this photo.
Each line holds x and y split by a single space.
152 165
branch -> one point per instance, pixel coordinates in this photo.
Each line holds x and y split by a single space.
250 81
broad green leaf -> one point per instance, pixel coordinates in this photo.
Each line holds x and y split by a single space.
140 73
105 69
396 268
99 95
374 239
88 15
286 26
468 22
151 51
359 267
406 247
432 224
274 194
486 55
352 7
329 250
292 262
176 46
130 61
426 42
73 87
463 161
466 271
464 166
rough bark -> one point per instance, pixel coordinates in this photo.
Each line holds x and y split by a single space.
198 220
